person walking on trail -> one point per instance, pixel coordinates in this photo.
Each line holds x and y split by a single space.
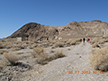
83 40
88 40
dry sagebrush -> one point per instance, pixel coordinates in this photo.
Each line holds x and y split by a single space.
99 59
3 51
9 59
59 44
43 58
96 44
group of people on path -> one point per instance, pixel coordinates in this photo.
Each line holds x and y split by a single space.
85 39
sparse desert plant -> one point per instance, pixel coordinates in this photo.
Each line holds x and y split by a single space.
45 45
96 44
1 47
16 49
3 51
1 67
55 55
78 40
94 40
59 44
9 59
69 41
33 46
102 41
39 54
73 42
6 45
42 58
99 59
59 54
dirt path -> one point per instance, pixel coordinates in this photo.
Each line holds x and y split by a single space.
76 61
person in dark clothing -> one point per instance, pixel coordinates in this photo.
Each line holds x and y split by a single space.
83 40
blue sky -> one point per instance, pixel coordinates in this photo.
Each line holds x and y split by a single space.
15 13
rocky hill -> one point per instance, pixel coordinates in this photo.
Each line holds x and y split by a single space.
72 29
34 31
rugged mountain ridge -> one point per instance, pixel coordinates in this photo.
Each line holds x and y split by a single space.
72 29
34 30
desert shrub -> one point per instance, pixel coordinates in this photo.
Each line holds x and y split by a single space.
69 41
39 54
9 59
1 67
19 46
53 41
45 44
96 44
1 45
3 51
12 58
16 49
99 59
78 40
102 41
59 54
33 46
42 57
73 42
92 41
55 55
59 44
6 45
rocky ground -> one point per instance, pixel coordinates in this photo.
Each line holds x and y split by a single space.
74 67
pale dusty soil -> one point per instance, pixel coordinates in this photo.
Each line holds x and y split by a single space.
77 59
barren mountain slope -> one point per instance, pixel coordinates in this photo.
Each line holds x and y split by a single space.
72 29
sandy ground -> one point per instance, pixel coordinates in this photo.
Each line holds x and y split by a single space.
76 62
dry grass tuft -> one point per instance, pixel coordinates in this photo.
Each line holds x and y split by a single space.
43 58
99 59
59 44
102 41
96 44
9 59
3 51
55 55
37 52
59 54
94 40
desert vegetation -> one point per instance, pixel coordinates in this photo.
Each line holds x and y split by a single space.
42 57
99 59
96 44
9 59
59 44
3 51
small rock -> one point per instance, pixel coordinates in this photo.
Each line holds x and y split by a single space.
80 57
